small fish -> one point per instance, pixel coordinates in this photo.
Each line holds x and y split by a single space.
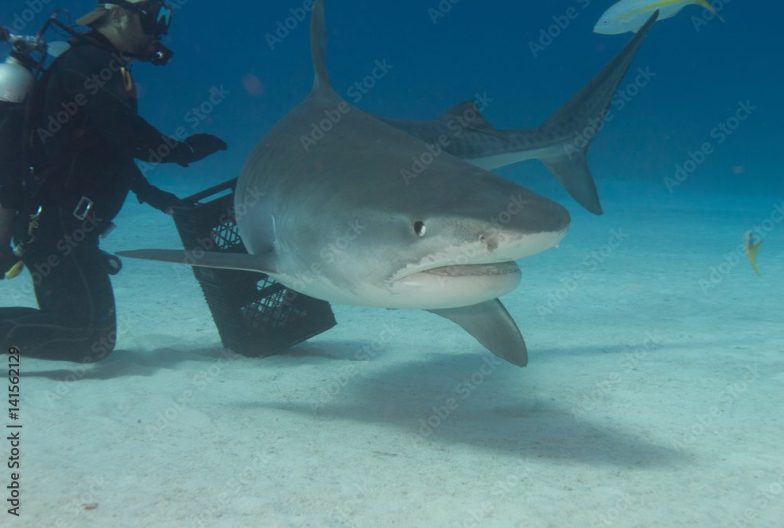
751 248
14 271
631 15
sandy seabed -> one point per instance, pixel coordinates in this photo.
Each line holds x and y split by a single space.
653 397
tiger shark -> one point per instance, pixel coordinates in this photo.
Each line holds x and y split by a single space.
335 219
561 143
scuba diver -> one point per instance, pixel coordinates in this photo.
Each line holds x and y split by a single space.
86 134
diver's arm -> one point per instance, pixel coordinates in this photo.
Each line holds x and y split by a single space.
113 117
116 119
150 194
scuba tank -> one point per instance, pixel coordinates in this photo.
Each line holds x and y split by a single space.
17 79
18 75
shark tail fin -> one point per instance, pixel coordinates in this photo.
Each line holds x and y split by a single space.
580 119
318 46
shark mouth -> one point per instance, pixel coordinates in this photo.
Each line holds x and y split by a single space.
454 285
473 270
501 262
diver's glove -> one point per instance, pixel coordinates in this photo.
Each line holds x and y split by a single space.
158 198
197 147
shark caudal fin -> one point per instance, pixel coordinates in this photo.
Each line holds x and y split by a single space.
318 47
582 118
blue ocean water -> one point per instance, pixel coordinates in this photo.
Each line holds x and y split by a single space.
524 56
633 350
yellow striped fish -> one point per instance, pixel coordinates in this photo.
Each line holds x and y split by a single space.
631 15
751 248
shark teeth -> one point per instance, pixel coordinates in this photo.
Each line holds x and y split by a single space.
468 270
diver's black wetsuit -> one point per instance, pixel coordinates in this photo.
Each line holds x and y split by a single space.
91 134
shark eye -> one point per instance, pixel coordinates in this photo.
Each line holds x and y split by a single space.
420 229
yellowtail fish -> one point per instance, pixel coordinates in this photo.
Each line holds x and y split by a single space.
751 248
631 15
14 271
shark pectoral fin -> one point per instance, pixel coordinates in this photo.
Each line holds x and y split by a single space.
205 259
572 171
491 325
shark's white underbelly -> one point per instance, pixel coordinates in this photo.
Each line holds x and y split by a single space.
510 158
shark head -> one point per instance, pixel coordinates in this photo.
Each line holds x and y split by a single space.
459 246
446 238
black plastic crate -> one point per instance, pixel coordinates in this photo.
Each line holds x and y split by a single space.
255 315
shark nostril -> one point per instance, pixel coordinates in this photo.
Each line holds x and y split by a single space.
490 241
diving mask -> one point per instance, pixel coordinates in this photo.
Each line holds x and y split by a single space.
155 15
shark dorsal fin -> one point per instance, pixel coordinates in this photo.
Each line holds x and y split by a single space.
468 115
318 47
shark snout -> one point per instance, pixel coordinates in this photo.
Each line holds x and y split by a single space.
531 214
538 224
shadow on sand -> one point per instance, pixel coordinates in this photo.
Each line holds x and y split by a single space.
126 363
505 411
469 400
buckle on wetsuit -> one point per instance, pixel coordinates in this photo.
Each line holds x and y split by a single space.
83 208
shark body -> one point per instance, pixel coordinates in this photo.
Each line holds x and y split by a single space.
561 143
335 219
